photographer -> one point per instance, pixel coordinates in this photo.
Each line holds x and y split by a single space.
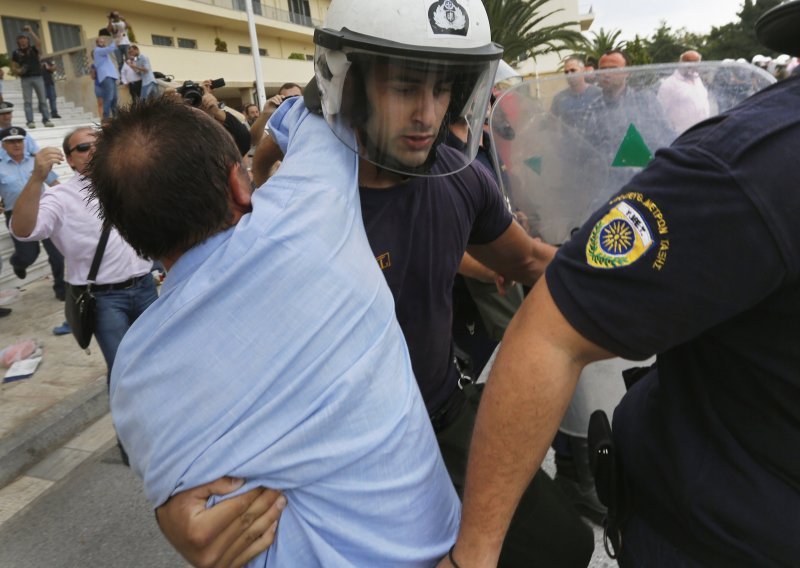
200 95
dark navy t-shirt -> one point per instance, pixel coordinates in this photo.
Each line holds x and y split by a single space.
419 231
697 259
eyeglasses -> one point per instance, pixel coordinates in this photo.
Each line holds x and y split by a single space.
82 147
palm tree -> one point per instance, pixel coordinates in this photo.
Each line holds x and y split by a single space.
517 26
604 41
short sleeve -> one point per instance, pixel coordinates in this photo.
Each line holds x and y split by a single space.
677 251
493 216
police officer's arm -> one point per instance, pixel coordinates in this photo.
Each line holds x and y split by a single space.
230 533
515 255
472 268
26 209
527 393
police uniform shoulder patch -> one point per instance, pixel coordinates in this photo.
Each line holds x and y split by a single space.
448 17
619 239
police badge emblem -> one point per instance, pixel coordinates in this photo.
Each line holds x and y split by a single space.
448 17
620 238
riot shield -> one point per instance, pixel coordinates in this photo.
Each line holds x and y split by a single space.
566 143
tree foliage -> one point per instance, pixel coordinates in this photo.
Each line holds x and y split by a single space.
637 51
738 39
604 41
519 26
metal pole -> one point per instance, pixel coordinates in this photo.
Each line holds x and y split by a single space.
251 24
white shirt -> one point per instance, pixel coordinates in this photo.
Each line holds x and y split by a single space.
684 100
129 75
121 28
72 223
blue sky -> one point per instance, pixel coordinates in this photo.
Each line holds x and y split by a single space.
643 16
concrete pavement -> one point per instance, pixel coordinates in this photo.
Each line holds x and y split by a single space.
65 394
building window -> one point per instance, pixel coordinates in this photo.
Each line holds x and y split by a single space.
242 7
13 26
64 36
187 43
166 41
300 13
245 50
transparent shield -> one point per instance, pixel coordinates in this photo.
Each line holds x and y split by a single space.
567 143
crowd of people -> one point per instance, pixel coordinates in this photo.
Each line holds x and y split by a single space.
299 392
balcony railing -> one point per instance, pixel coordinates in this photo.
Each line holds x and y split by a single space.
269 12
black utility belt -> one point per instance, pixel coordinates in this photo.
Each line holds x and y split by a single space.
129 283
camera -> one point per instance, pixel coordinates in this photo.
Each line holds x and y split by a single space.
193 92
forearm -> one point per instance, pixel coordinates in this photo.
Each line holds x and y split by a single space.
515 255
267 153
527 393
257 128
36 41
471 268
26 209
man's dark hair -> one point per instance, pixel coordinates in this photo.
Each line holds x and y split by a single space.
624 55
247 106
160 172
287 86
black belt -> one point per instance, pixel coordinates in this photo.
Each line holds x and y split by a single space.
129 283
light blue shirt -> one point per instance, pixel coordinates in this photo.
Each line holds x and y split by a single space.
273 354
147 77
105 63
14 176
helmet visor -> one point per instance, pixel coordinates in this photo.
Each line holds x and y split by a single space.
401 107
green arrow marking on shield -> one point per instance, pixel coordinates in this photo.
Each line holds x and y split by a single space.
535 163
633 152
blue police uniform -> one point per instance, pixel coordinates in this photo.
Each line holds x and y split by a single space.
13 177
697 260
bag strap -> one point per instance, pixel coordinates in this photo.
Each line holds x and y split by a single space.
98 253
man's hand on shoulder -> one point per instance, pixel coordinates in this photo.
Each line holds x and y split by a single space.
228 534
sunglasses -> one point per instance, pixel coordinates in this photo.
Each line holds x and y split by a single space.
83 147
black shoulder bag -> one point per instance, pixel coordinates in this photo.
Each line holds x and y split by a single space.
79 307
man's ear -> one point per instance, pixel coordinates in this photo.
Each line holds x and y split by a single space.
241 188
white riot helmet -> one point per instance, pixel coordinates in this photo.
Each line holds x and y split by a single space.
397 72
506 76
782 60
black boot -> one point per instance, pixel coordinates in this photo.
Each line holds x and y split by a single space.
574 477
